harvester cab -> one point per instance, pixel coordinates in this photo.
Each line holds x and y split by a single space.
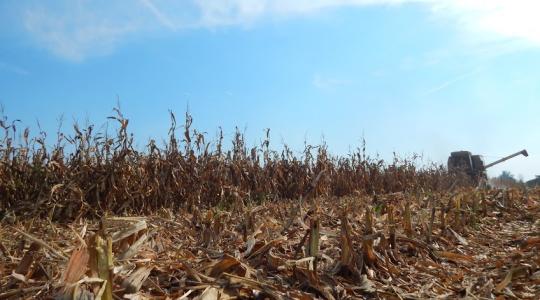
473 165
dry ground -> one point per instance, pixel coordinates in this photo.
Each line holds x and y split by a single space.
468 244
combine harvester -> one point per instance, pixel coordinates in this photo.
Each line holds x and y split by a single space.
473 165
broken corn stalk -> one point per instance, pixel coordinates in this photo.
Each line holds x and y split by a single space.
101 261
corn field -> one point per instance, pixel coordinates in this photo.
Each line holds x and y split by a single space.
96 218
88 173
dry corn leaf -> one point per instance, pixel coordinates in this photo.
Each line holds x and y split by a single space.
76 266
133 283
228 262
504 283
210 293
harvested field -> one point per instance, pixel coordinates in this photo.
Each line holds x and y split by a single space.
469 244
340 149
93 217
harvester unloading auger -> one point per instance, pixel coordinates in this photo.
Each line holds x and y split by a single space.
473 165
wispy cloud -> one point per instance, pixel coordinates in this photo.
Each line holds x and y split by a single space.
76 33
160 16
327 83
4 66
78 29
450 82
241 12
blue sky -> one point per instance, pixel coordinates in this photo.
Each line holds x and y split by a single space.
426 77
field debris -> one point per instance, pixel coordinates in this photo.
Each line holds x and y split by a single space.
94 217
335 248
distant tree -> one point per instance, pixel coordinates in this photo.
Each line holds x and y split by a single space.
506 180
507 176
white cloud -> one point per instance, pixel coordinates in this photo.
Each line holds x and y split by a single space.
511 19
77 32
79 29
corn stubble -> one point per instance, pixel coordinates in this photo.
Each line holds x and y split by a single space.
94 218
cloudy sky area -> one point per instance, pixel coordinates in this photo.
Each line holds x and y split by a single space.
425 77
